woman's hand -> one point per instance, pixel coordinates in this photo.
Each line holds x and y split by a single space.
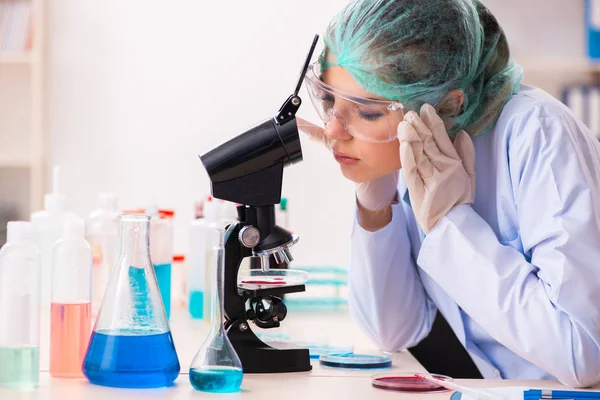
313 131
439 174
374 200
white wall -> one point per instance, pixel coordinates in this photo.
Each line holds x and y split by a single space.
137 89
542 29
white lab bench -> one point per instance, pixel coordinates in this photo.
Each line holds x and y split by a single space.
320 383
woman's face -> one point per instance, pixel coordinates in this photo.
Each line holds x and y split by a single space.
360 161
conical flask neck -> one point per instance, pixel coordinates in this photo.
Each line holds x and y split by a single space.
134 234
217 300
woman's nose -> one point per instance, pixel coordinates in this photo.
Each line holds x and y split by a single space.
335 128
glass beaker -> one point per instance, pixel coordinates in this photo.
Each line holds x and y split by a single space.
217 367
131 344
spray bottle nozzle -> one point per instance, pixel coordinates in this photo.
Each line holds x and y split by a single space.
55 173
55 202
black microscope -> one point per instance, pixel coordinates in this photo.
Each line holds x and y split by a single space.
248 170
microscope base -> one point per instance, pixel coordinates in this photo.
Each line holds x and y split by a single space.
260 358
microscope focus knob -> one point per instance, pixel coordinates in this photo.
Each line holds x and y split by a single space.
249 236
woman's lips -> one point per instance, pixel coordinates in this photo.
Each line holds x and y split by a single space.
344 159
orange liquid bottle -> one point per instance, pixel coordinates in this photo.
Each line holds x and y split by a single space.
71 307
69 337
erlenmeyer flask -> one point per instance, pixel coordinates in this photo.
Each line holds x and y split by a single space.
216 366
131 345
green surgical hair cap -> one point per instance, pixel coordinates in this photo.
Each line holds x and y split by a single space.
417 51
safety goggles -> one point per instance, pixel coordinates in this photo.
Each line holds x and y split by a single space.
369 120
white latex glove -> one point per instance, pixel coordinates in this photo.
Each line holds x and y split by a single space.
313 131
373 195
379 193
439 174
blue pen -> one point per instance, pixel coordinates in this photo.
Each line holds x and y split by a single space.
559 394
559 398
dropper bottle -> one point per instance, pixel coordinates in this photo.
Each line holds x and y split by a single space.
19 309
47 226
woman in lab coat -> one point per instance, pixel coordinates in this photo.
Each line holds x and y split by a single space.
477 196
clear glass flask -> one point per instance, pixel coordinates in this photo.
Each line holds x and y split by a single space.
131 344
20 273
217 367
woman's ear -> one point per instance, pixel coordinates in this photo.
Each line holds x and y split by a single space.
451 104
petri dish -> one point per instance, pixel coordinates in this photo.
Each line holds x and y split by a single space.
316 351
357 361
258 279
273 336
409 383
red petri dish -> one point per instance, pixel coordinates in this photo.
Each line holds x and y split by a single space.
258 279
409 383
263 282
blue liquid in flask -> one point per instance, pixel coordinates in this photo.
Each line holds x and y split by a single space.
131 359
216 379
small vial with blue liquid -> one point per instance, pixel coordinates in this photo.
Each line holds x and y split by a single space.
131 344
216 367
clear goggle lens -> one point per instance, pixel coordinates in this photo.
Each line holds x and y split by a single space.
365 119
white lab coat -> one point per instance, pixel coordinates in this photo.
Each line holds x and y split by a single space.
517 274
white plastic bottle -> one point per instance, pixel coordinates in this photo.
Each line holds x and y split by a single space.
179 296
71 308
101 232
47 229
19 308
203 237
161 251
